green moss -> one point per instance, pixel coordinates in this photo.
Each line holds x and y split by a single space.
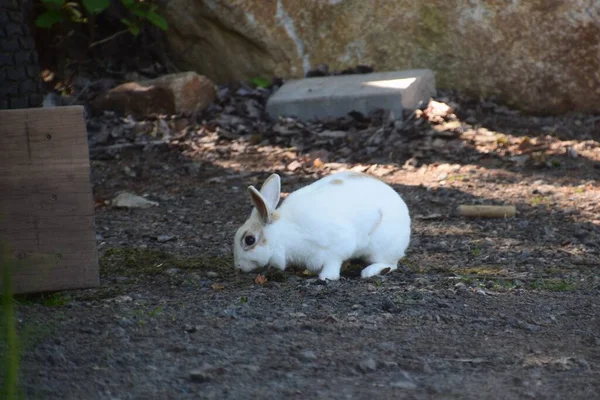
552 285
10 354
432 27
45 299
538 200
132 262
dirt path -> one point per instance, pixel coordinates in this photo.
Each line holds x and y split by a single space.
499 309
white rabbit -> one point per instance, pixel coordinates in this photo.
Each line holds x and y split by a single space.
346 215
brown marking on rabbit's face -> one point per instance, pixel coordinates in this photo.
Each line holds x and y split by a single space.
275 216
251 249
336 182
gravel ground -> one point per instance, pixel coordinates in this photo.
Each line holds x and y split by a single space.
480 308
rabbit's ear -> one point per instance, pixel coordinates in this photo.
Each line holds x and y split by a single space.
271 190
264 211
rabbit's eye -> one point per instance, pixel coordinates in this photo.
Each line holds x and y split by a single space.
249 240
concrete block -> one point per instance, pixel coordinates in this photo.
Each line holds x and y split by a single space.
335 96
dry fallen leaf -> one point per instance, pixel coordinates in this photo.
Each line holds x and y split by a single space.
260 279
217 286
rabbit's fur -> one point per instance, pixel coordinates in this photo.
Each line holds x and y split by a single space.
346 215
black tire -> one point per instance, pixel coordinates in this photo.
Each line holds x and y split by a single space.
20 82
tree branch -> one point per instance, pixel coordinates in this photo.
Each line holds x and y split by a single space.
108 39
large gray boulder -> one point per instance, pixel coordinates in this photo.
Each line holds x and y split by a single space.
538 55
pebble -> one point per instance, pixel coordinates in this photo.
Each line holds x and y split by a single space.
461 288
129 200
122 299
356 306
118 331
124 322
367 365
403 384
199 375
307 356
212 274
388 305
164 238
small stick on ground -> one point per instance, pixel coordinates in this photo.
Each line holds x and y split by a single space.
487 211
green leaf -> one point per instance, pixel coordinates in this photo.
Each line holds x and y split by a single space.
260 82
49 18
134 29
128 3
157 20
139 12
95 6
126 22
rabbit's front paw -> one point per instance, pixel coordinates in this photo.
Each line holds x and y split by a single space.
330 271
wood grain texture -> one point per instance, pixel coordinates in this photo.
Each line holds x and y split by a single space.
46 203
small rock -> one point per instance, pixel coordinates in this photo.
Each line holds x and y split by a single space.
200 375
173 271
480 291
119 331
520 160
122 299
165 238
125 322
461 288
307 356
489 284
388 305
403 384
128 200
57 358
572 153
530 327
356 306
133 98
212 274
367 365
129 172
253 109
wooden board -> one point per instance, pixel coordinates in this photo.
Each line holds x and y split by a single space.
46 203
